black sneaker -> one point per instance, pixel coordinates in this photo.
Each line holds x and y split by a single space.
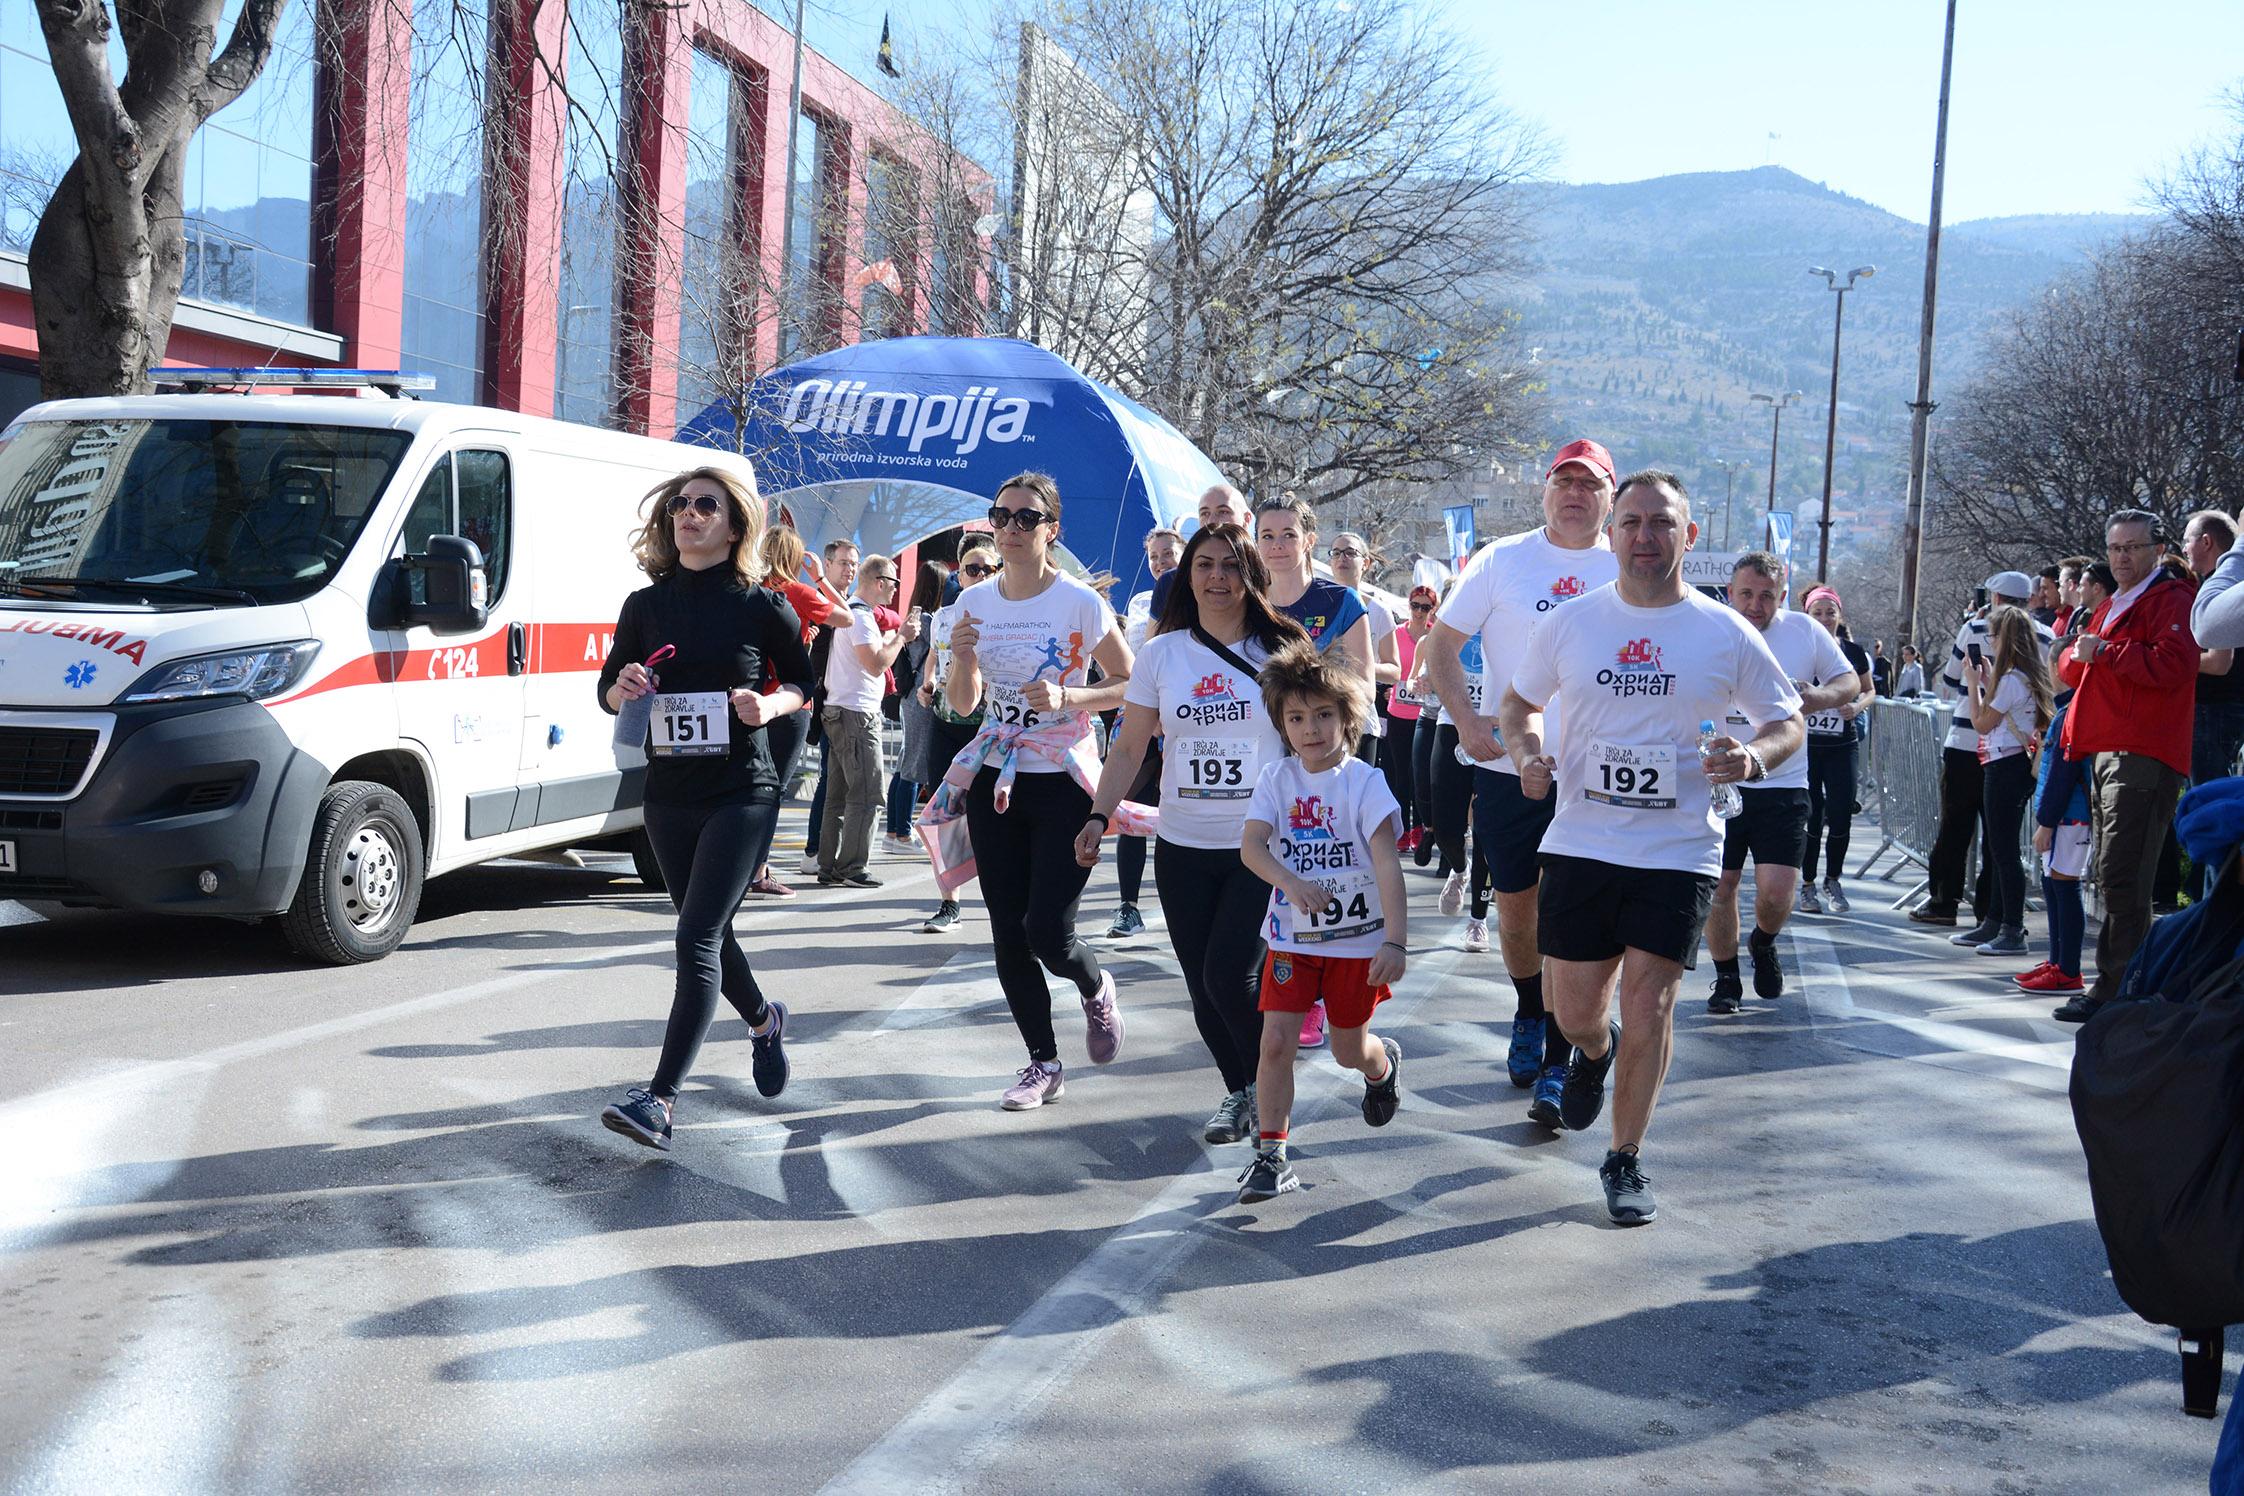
641 1117
1979 934
1628 1190
1583 1100
1382 1097
1728 994
2077 1009
1768 976
1933 914
1423 853
1268 1177
856 880
942 921
769 1065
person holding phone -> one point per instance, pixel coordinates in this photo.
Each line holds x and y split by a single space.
2010 705
713 782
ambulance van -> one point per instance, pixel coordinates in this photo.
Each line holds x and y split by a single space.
291 655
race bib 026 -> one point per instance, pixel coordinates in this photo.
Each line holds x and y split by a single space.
1632 776
692 725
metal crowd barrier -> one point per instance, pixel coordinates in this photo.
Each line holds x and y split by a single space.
1902 783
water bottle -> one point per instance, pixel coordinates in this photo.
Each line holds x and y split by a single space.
1725 799
1471 762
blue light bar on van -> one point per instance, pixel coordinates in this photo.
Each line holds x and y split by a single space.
388 381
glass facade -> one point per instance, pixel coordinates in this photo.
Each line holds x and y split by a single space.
585 315
807 327
714 293
891 251
246 193
445 315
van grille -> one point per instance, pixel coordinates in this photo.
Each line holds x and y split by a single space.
44 760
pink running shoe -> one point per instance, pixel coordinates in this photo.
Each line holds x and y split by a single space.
1102 1022
1038 1083
1313 1026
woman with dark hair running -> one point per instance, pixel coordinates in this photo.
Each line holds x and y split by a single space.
712 791
1196 682
1021 649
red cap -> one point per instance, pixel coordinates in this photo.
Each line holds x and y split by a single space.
1589 454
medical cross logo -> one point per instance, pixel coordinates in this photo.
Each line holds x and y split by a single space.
80 675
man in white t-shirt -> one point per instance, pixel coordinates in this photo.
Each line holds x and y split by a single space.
1506 591
1631 857
857 664
1773 827
1349 553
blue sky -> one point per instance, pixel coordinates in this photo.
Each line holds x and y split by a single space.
2060 106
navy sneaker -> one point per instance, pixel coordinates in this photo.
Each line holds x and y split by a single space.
1549 1087
1582 1101
641 1117
769 1066
1525 1062
1628 1190
1267 1177
1382 1097
1728 994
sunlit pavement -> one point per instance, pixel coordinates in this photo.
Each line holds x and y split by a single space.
269 1227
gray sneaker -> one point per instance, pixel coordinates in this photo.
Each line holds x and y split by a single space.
1628 1192
1234 1120
1268 1177
1805 901
1127 923
1835 897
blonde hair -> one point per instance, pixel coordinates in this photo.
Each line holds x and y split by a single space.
782 551
2016 648
657 548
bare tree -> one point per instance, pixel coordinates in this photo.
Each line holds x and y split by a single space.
109 255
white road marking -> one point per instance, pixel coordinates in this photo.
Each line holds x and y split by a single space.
2046 1064
13 913
961 1427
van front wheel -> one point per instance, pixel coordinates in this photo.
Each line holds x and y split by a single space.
362 881
644 864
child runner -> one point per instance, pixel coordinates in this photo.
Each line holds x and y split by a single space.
1320 831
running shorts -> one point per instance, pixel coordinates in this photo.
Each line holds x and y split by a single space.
2067 856
1509 828
1593 911
1295 983
1773 827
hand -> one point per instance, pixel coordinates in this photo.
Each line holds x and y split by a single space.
2087 647
1536 776
1303 894
753 709
1477 736
634 681
1981 674
1044 695
965 634
1087 843
1387 964
1849 710
2044 839
926 695
815 568
1728 763
910 628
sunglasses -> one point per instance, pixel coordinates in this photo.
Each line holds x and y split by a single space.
700 503
1025 519
1421 607
977 569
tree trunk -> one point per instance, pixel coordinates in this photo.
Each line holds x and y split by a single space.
91 277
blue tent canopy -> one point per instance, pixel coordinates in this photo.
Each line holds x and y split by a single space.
889 442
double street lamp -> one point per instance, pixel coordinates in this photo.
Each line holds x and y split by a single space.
1730 470
1776 404
1831 420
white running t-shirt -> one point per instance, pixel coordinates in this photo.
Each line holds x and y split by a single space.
1046 637
1810 655
1638 682
1321 826
1506 591
1382 625
1216 735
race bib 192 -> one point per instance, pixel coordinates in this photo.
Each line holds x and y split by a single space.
1632 776
691 725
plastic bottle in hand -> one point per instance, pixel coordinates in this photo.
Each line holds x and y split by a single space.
1471 762
1726 799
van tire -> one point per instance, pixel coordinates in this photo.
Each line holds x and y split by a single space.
644 864
363 831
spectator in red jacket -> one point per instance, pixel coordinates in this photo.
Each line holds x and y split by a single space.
2134 671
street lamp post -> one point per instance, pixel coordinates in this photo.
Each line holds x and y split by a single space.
1776 404
1831 419
1730 471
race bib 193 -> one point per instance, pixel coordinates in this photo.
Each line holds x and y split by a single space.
691 725
1213 768
1632 776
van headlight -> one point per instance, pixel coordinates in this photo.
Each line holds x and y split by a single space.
255 673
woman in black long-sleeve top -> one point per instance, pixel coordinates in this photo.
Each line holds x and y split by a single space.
728 660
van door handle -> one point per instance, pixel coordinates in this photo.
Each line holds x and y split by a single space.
517 648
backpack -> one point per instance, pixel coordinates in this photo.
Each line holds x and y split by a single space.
2158 1100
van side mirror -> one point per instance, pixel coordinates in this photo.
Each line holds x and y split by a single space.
443 588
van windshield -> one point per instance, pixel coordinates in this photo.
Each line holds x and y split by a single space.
226 512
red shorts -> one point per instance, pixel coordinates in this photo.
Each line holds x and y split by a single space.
1294 983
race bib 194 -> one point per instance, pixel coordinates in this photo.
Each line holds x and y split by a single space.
691 725
1351 908
1632 776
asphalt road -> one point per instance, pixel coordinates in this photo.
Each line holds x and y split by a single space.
266 1227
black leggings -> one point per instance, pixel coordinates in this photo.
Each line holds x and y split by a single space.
1129 851
1214 907
1830 800
2009 786
707 856
1422 742
1031 882
785 737
1453 808
1398 759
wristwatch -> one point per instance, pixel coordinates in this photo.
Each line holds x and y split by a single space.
1760 769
